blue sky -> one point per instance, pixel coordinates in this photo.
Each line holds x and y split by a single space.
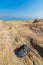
21 8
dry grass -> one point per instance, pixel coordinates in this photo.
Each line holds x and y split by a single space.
13 35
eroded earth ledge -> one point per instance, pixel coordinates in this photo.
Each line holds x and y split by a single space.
13 35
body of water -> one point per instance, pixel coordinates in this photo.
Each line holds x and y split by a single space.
16 19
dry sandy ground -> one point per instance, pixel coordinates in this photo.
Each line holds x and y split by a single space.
15 34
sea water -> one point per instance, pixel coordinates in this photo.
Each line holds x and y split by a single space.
15 19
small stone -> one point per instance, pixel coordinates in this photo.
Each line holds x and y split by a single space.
22 51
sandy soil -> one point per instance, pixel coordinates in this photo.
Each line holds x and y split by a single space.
14 34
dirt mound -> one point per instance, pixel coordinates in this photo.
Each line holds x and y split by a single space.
14 35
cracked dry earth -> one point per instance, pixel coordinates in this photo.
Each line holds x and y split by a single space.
15 34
